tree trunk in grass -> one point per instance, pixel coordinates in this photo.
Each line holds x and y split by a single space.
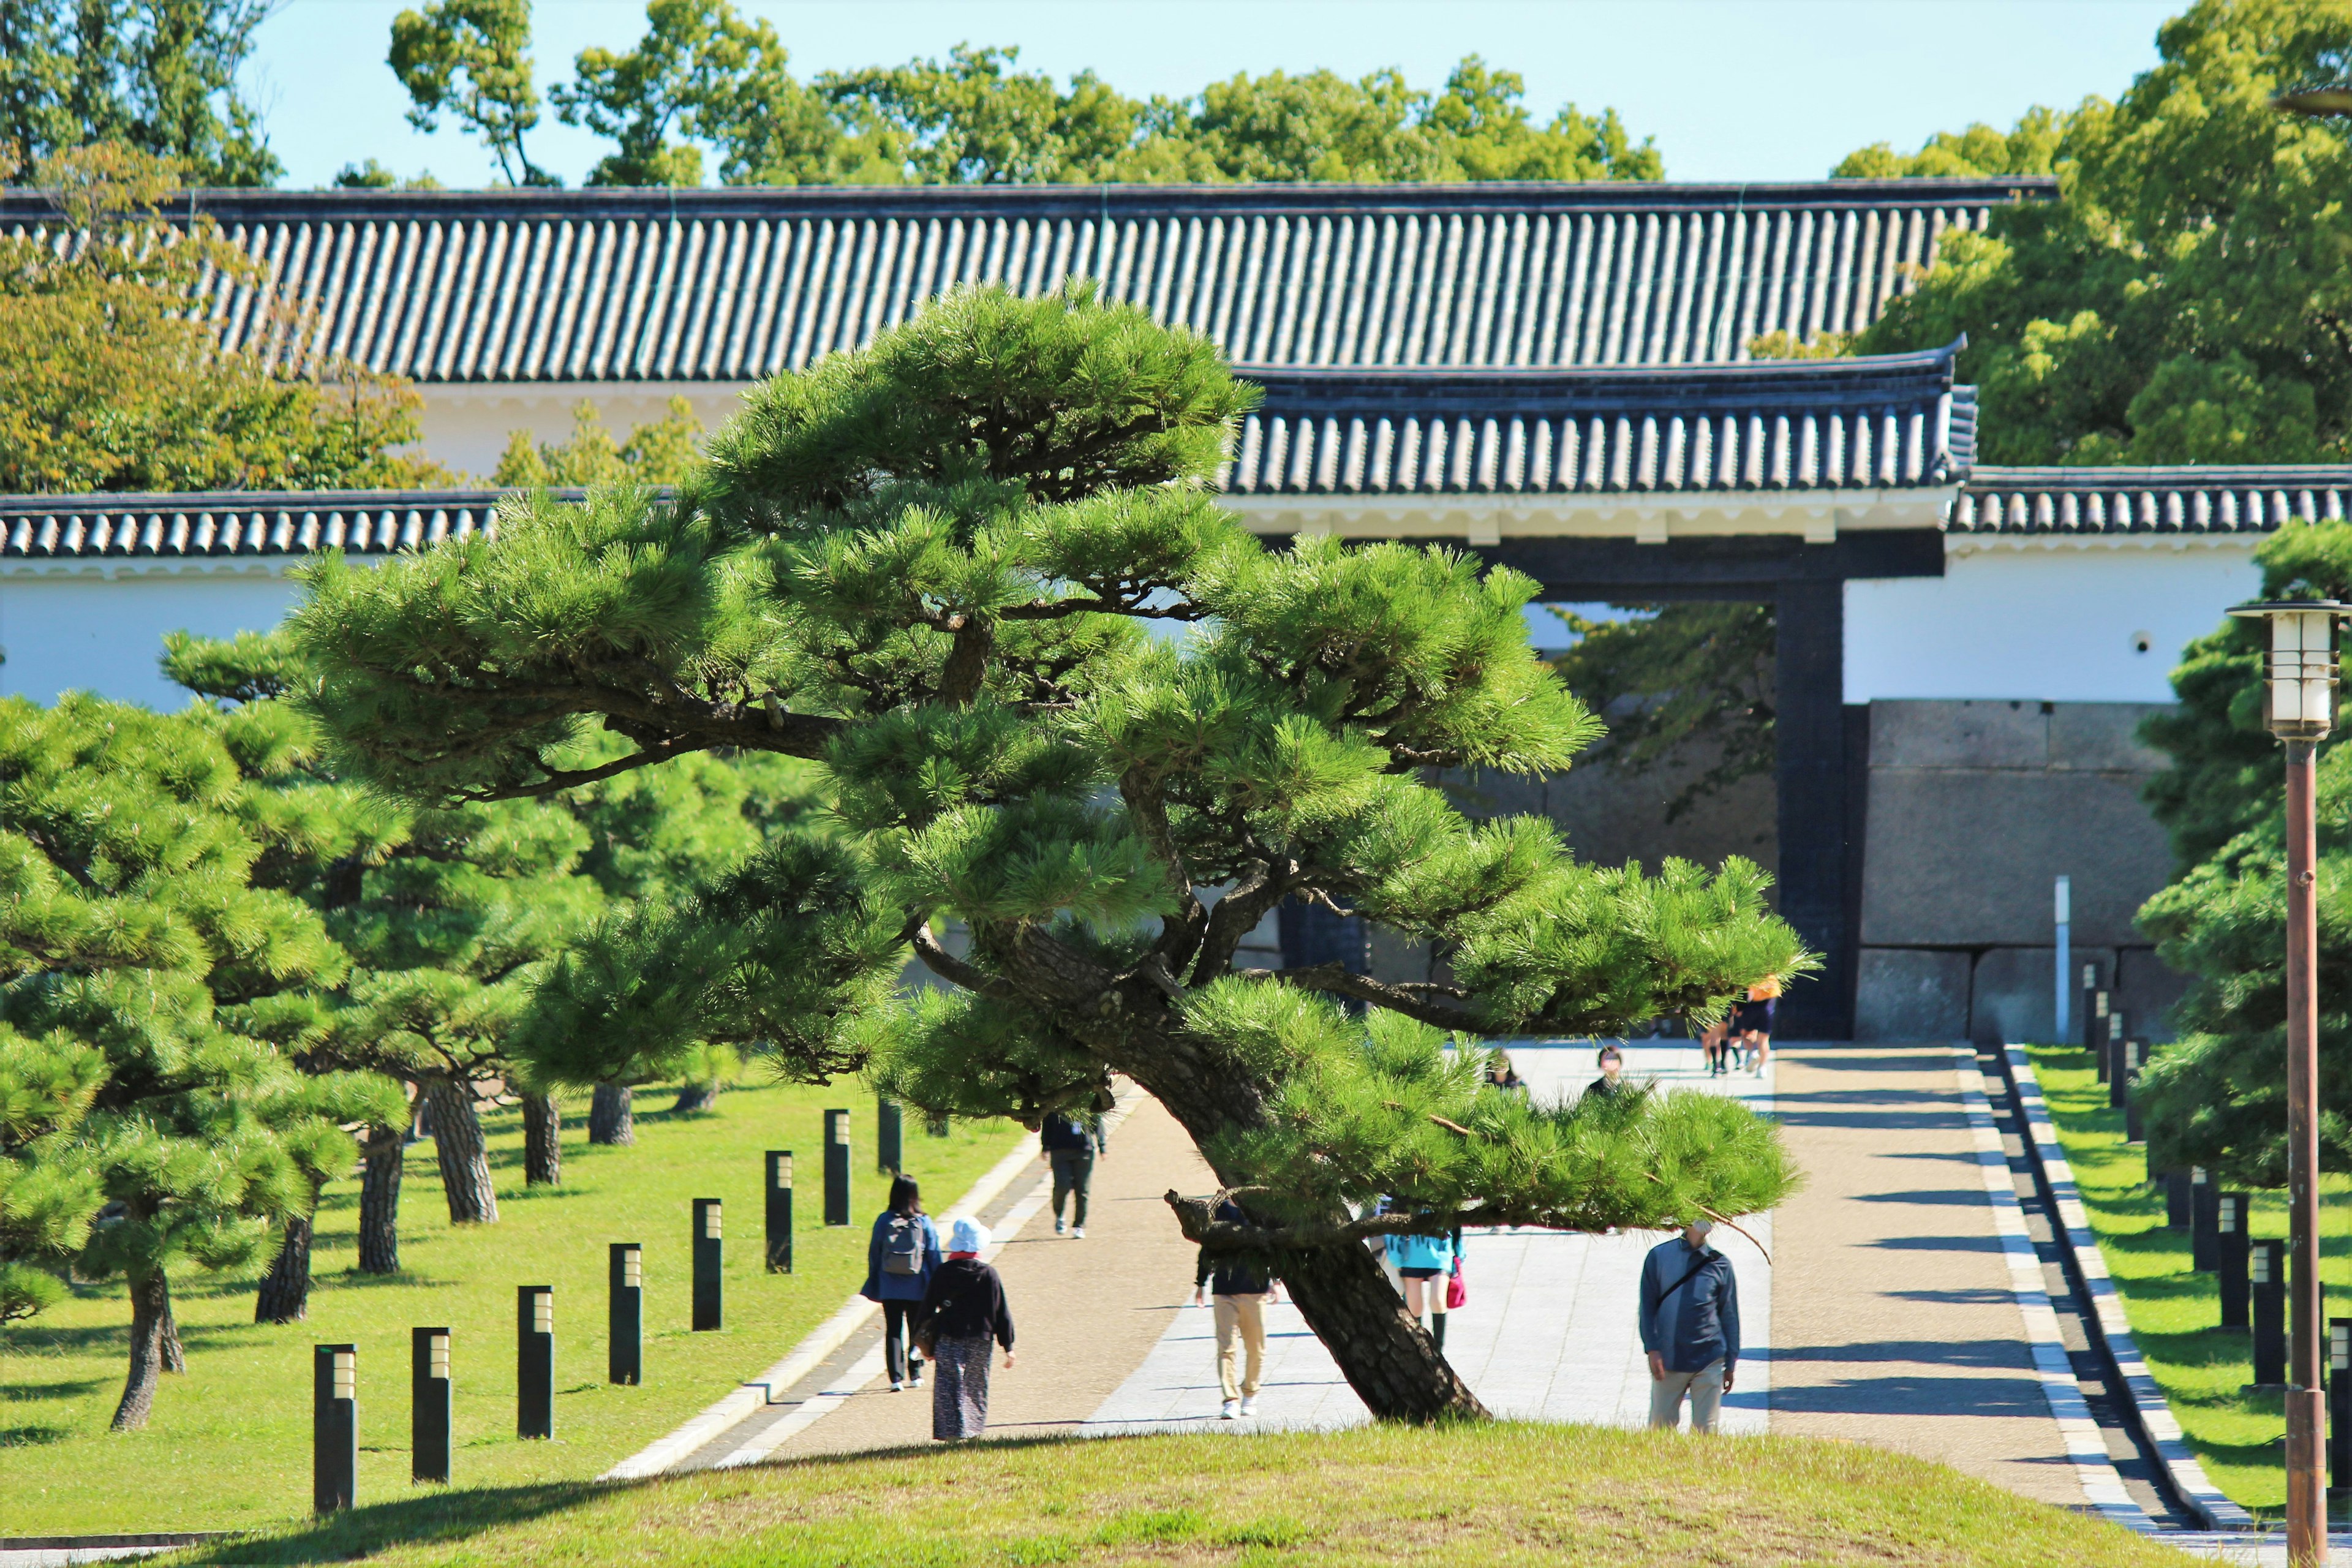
175 1356
612 1117
151 1332
542 1144
693 1099
285 1293
465 1159
384 1156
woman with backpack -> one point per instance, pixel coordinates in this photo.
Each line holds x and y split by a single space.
964 1311
900 1258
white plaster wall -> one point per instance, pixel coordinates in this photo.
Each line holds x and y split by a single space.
2051 624
101 634
465 427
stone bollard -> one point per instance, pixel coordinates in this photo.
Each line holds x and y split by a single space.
534 1361
779 1211
2270 1313
334 1426
889 1137
2232 1249
428 1405
625 1315
836 1167
706 1262
2204 1221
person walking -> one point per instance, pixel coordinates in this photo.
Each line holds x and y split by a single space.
901 1255
1690 1327
1070 1144
964 1310
1422 1264
1753 1019
1241 1285
1612 1062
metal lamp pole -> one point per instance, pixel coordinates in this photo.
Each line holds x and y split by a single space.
2299 675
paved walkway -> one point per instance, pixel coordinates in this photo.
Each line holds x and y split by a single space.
1547 1332
1896 1322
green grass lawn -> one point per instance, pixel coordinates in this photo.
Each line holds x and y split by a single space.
2173 1311
228 1445
1492 1495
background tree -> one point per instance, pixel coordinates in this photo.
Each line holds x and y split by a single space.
928 567
656 453
2185 299
159 76
138 959
110 380
1687 683
468 59
702 72
2028 147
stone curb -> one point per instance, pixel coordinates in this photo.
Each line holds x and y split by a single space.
2052 1369
2114 1340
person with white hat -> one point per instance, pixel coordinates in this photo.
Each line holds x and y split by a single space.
963 1311
1690 1327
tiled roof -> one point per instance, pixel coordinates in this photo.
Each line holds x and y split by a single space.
227 523
1889 421
735 285
2173 501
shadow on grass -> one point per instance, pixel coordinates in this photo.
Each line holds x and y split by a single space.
33 1434
68 1389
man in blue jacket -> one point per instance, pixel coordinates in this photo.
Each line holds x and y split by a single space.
1070 1141
1690 1326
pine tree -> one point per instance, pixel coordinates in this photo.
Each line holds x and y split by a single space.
148 1120
2216 1096
932 566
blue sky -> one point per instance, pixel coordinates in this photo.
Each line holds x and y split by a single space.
1732 90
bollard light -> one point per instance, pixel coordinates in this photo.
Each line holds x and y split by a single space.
428 1405
2135 1058
2095 1032
2230 1258
535 1361
2115 1055
2270 1315
889 1137
2204 1221
706 1262
836 1167
2339 1404
334 1426
624 1317
779 1211
2179 1200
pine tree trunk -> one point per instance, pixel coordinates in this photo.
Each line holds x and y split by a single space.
612 1116
151 1330
693 1099
542 1140
1343 1293
285 1293
465 1159
384 1156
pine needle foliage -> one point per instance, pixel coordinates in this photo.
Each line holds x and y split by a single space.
1079 734
145 1119
2217 1097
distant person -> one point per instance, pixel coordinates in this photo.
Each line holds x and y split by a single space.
1502 1075
1715 1044
1753 1019
1690 1327
1070 1144
901 1255
962 1312
1612 1062
1422 1264
1241 1285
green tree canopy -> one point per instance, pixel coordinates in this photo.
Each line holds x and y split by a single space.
656 453
928 567
2217 1097
2185 301
2028 147
111 381
468 58
159 76
141 970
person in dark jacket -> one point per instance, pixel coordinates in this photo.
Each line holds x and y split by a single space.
900 1257
1690 1327
964 1310
1241 1285
1612 1062
1071 1142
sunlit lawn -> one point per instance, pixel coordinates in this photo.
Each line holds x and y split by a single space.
2175 1312
229 1442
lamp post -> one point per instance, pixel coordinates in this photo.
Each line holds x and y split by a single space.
2299 708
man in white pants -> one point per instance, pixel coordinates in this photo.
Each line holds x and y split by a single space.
1690 1327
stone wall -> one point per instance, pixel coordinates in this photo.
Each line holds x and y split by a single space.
1974 809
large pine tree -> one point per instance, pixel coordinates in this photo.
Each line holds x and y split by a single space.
937 567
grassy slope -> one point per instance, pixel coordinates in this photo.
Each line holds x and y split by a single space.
2174 1311
229 1442
1490 1494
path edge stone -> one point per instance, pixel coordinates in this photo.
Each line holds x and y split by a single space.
2114 1340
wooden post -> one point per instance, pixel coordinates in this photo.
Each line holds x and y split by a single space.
2306 1493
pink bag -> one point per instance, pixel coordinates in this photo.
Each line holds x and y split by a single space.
1455 1291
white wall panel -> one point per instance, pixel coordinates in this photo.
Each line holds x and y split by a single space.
92 633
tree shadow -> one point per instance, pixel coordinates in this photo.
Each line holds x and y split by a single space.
432 1518
34 1434
65 1388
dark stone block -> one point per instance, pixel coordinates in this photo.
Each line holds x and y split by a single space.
1911 994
